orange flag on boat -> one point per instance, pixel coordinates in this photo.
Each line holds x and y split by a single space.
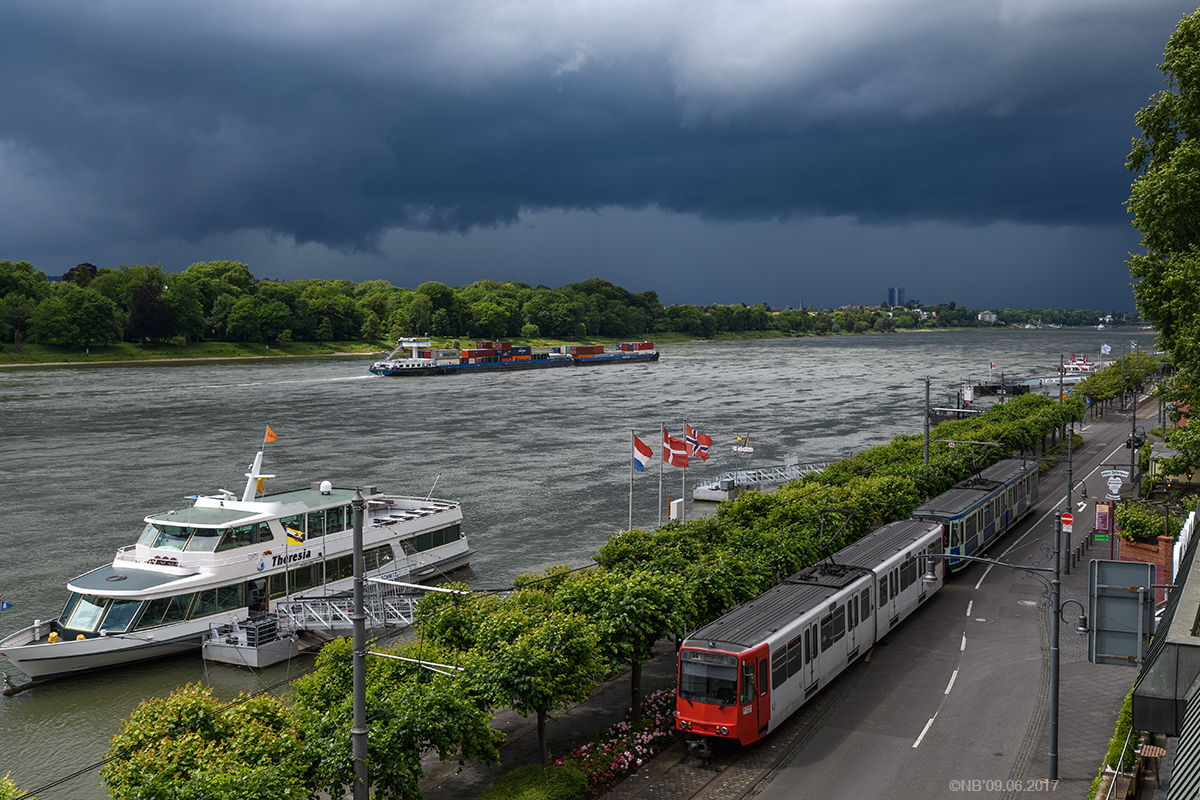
270 437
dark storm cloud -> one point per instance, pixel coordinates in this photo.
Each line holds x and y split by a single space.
334 124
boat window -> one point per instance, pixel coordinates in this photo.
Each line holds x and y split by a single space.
243 536
204 540
231 598
707 677
452 533
120 615
164 611
419 543
294 523
305 577
68 607
337 519
87 613
149 534
376 557
172 537
206 603
316 524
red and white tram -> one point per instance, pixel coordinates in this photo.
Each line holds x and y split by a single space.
742 675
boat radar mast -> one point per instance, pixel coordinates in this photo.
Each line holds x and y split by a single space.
253 477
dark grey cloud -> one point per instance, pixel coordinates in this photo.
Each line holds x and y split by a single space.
335 124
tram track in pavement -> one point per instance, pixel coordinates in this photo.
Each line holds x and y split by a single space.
736 772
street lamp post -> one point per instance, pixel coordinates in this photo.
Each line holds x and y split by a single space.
1054 585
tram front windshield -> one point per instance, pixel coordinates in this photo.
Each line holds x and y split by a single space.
708 677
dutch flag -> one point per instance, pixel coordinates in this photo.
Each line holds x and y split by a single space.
641 454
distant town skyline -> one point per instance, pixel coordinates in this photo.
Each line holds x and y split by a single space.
788 152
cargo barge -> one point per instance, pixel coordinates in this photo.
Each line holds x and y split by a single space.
423 359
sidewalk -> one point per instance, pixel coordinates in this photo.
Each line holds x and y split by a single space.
573 726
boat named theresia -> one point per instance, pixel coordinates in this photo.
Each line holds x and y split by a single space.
225 559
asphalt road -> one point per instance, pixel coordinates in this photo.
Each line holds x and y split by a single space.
954 701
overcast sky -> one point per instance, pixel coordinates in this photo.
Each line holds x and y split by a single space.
780 151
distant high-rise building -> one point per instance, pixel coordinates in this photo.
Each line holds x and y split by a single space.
895 296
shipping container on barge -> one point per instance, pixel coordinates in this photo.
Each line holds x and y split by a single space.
424 359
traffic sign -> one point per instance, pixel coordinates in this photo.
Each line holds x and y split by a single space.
1067 519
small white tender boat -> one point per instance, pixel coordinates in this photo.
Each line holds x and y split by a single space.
223 560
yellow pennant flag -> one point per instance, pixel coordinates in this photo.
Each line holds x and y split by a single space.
270 437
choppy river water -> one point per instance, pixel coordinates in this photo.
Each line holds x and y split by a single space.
540 461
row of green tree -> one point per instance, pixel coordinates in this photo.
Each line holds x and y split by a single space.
222 300
546 644
1166 274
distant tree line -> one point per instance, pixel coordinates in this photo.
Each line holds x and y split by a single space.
223 301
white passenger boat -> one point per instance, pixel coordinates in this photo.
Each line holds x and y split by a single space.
224 559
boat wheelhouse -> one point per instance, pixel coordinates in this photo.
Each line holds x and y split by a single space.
225 559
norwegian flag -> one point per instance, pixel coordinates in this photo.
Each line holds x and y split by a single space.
697 443
674 450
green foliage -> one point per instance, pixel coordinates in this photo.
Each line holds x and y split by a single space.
539 783
9 790
1127 757
189 746
412 711
1139 522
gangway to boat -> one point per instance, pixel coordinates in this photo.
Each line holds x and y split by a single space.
305 623
733 483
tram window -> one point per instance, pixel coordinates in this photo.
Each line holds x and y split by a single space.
119 615
796 654
839 623
809 645
851 614
908 573
864 602
762 677
988 513
748 692
894 585
708 677
969 528
779 667
826 632
883 589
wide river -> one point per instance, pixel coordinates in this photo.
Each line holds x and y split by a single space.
540 461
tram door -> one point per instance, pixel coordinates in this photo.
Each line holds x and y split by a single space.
811 672
760 658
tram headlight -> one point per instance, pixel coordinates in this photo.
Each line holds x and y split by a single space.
723 730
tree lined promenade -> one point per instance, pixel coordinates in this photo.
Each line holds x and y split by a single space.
545 644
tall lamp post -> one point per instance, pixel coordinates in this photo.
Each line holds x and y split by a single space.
1057 605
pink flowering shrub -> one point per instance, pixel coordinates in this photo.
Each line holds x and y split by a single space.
623 748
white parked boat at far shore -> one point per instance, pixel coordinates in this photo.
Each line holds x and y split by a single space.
223 560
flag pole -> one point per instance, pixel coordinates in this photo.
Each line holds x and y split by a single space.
683 477
632 450
662 442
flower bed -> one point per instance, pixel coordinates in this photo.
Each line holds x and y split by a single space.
623 748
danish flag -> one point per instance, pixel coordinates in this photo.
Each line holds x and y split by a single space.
674 450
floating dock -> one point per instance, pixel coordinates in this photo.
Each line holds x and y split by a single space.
733 483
